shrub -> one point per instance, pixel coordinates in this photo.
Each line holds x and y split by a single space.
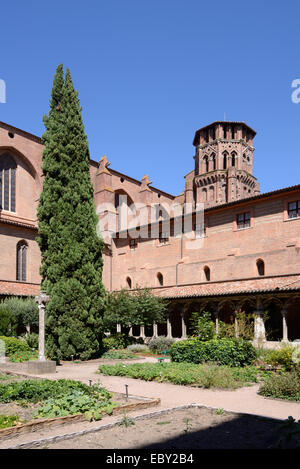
13 345
203 326
32 340
278 357
159 344
282 386
24 311
231 352
7 322
138 348
117 341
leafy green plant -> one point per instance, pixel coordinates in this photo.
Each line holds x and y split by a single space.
7 421
13 345
126 421
203 326
282 386
281 357
159 344
220 411
20 357
7 321
188 426
117 341
231 352
32 340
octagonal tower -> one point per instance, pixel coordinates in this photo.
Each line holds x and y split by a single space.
224 163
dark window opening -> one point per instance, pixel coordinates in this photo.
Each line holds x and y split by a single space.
7 183
22 261
294 209
243 220
260 267
133 243
160 279
207 273
129 283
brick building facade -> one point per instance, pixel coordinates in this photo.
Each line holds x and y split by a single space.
243 256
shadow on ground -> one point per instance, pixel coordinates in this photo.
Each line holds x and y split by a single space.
242 432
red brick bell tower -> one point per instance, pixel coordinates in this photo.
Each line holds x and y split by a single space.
224 163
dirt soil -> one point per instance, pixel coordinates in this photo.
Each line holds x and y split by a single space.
194 428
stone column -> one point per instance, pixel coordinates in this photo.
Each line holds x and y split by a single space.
169 328
216 315
284 325
41 300
118 328
259 325
236 326
41 366
142 331
155 330
183 325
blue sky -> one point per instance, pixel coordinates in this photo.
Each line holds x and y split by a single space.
149 73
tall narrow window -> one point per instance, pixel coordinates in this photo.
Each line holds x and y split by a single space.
22 261
294 209
224 160
129 283
7 183
233 159
260 267
160 279
205 159
207 273
213 157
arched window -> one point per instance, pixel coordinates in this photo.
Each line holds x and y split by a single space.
205 159
207 273
213 157
260 267
7 183
225 160
160 279
129 283
22 261
233 156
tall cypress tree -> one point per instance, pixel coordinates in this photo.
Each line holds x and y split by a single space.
71 250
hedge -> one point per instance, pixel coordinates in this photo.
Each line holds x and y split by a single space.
230 352
13 345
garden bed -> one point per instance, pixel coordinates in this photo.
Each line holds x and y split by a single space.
25 402
191 427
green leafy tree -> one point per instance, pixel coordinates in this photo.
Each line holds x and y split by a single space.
203 326
133 309
23 312
71 250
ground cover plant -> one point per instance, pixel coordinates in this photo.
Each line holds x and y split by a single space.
7 421
206 376
119 354
282 386
20 357
59 398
